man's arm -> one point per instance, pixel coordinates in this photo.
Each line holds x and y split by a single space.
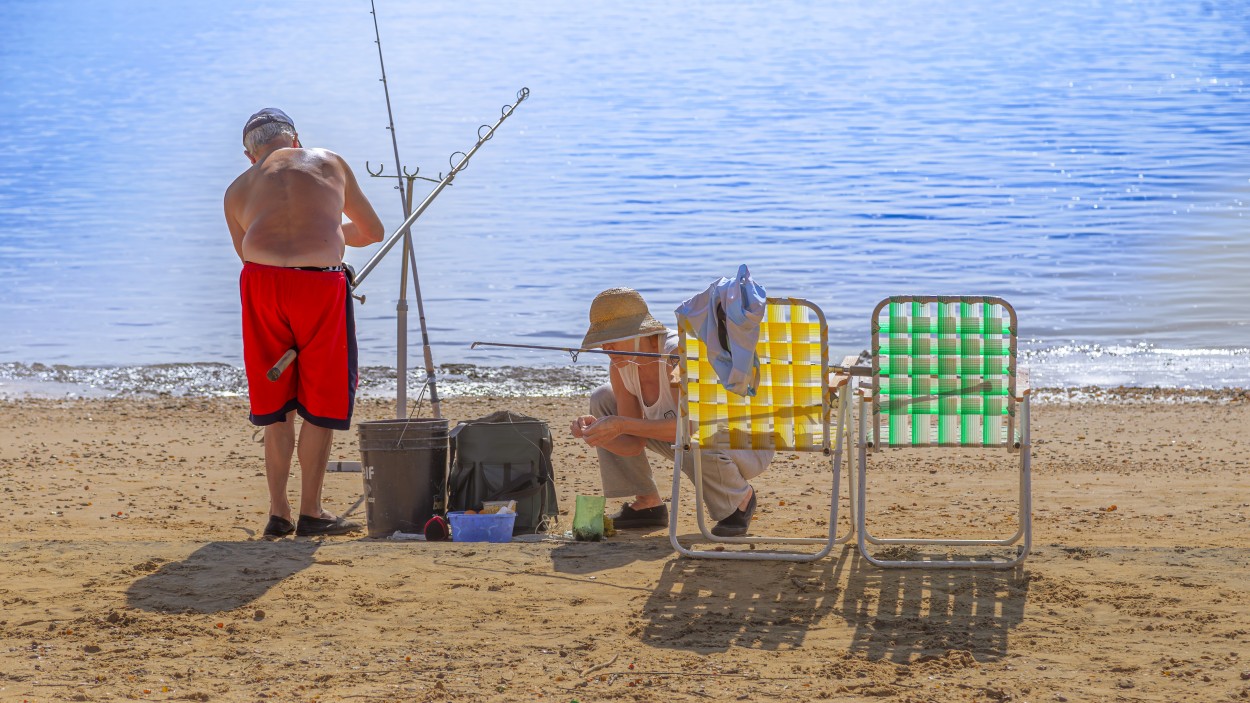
626 432
236 230
365 227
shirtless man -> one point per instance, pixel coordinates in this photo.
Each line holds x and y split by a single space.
285 215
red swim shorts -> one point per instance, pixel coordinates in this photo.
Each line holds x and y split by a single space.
311 312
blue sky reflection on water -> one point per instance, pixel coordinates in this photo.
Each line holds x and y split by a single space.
1087 161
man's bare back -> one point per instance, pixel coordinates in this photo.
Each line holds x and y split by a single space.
287 209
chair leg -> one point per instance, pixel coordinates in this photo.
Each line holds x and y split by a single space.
697 480
841 445
846 443
1026 479
701 516
1024 532
675 503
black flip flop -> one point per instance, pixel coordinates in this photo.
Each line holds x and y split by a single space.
738 522
647 517
324 527
278 527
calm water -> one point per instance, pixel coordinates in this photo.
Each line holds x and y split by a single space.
1088 161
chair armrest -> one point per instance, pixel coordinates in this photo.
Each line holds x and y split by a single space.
847 369
837 379
1022 384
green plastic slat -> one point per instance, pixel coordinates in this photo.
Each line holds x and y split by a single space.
944 369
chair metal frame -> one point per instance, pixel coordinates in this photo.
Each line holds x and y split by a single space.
752 423
952 332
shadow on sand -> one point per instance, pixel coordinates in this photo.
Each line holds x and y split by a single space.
711 605
899 615
626 548
905 614
220 576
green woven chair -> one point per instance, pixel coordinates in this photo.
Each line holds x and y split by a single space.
944 374
799 406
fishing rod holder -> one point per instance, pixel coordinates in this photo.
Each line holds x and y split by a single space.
404 173
409 263
455 168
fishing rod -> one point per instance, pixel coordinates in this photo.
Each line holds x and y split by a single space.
409 261
390 118
403 232
575 352
856 369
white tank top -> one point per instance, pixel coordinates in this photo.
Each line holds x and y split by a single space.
665 406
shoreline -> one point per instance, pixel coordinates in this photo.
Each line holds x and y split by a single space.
219 380
134 571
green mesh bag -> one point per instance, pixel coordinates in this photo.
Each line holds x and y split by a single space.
588 518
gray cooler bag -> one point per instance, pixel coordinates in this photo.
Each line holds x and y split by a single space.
503 456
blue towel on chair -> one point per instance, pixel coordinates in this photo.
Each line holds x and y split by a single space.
726 318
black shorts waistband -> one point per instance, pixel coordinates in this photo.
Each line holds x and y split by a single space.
322 269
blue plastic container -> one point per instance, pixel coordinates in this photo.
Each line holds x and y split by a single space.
481 528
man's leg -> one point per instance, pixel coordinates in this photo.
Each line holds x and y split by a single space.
314 451
728 495
279 446
724 487
326 337
623 476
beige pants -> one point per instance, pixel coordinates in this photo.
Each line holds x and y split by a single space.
725 473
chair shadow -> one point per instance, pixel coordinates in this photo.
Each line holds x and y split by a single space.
709 605
904 615
900 615
220 576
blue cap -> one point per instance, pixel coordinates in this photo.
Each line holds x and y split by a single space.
266 116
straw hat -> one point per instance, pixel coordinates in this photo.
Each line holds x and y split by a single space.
618 314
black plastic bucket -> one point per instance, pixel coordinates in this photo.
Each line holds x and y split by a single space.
404 464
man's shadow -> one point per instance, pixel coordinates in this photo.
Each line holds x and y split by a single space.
706 605
903 615
220 576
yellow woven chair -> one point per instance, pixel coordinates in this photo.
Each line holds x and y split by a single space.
944 374
793 410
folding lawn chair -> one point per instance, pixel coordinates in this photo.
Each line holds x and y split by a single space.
790 411
944 374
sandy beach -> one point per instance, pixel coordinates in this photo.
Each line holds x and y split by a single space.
133 570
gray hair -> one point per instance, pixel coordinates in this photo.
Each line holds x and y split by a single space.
266 133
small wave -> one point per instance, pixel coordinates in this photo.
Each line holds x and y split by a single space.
224 380
1139 366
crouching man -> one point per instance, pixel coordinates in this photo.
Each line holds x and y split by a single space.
637 411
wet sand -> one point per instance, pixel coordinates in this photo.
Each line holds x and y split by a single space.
132 570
